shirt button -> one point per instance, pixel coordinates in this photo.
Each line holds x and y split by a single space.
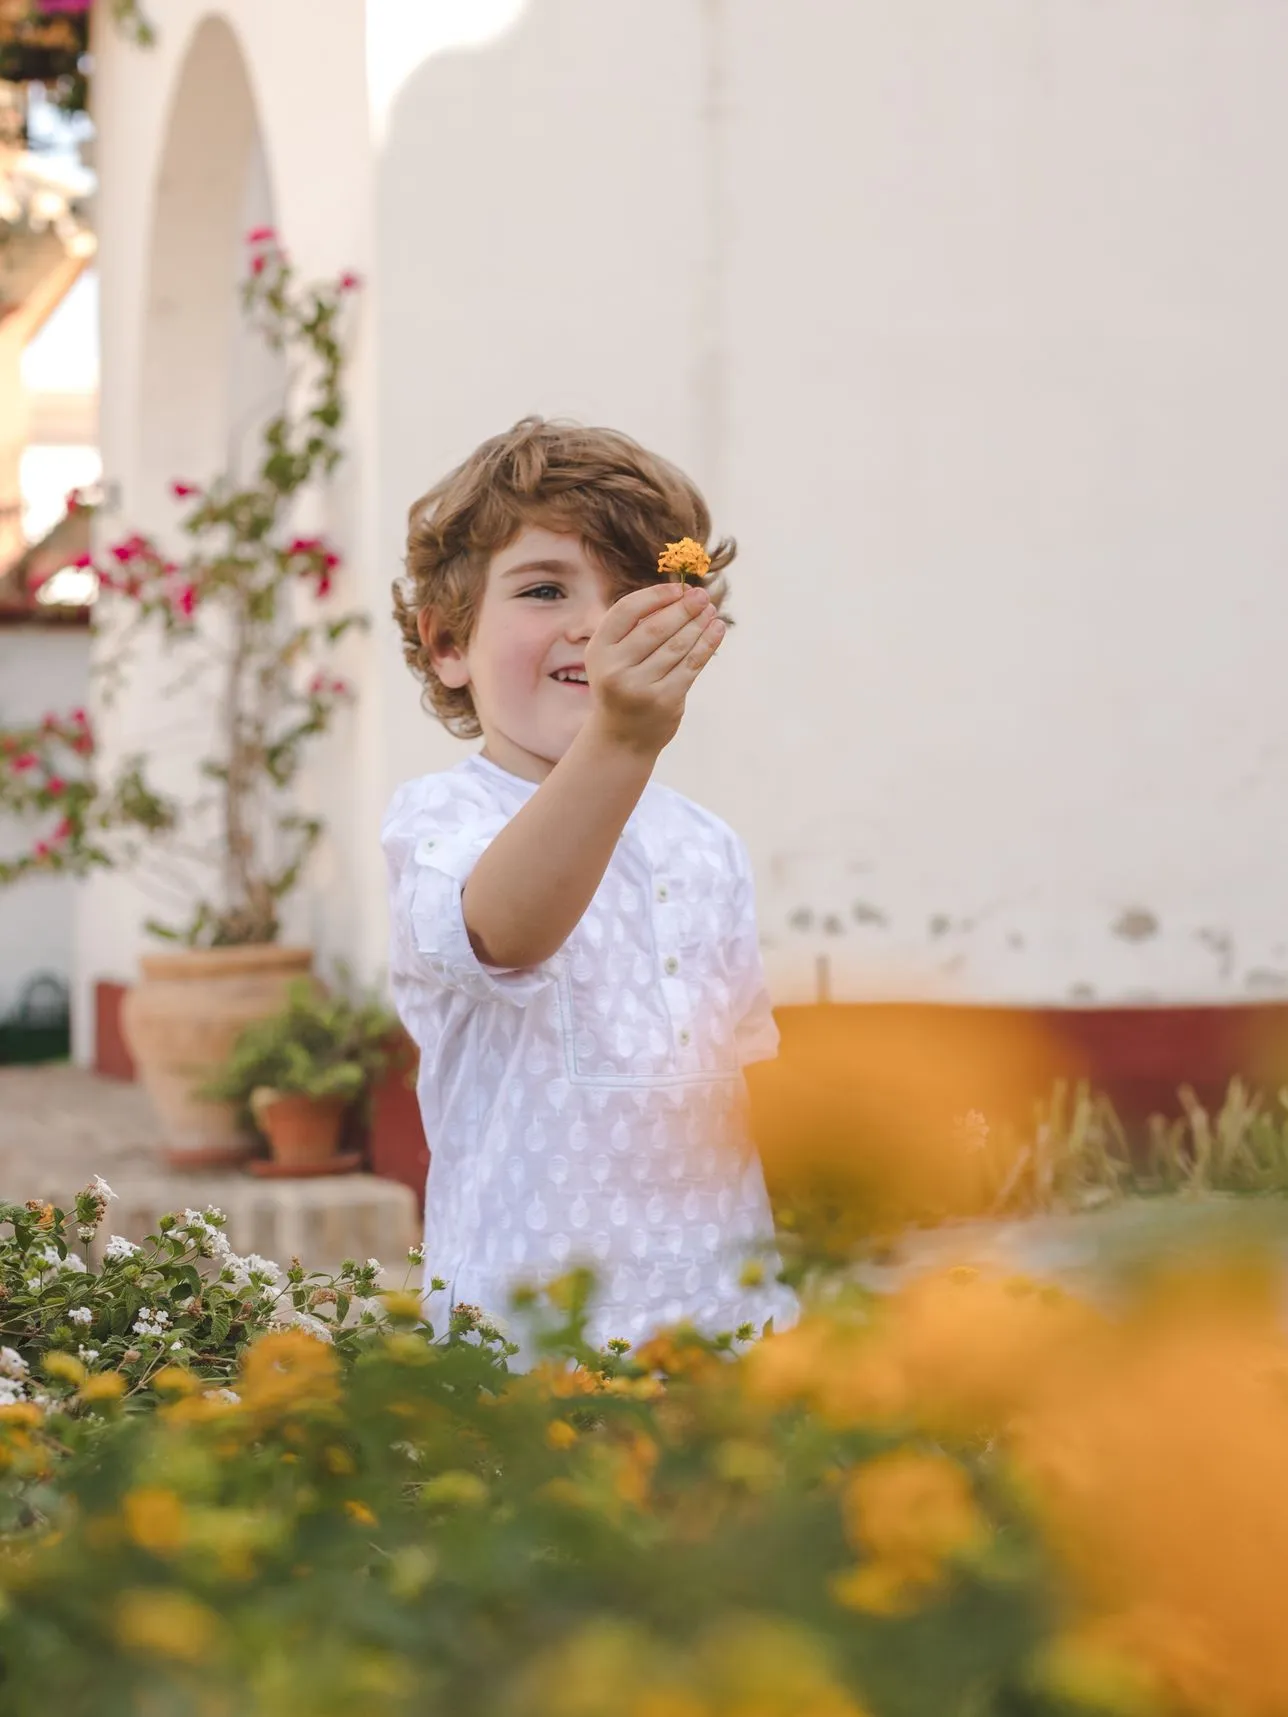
672 965
662 891
686 1038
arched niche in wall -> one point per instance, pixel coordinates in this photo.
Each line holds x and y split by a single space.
205 381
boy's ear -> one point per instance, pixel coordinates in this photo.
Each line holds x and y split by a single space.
447 658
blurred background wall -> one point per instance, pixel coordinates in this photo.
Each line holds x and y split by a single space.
968 320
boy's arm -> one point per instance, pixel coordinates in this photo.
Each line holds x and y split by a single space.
529 890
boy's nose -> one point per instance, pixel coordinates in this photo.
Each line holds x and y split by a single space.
584 622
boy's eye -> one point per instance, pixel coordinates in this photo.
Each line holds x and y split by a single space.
543 592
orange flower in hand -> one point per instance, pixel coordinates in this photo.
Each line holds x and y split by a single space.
685 559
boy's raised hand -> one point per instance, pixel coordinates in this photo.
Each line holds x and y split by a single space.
645 654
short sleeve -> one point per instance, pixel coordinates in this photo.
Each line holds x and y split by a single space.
755 1029
432 840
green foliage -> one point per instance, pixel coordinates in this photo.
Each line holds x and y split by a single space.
390 1524
317 1045
1078 1155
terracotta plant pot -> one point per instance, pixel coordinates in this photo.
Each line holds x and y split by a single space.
397 1148
180 1023
302 1132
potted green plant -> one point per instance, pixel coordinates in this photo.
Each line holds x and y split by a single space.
298 1074
249 610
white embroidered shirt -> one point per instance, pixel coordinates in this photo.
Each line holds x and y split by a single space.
590 1109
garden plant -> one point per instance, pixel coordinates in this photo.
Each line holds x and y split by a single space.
229 617
229 1488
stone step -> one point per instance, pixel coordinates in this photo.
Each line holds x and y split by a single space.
60 1126
320 1221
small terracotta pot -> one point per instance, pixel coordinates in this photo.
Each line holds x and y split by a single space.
301 1131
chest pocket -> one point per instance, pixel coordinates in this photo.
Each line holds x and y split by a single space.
643 988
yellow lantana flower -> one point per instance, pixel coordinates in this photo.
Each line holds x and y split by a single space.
163 1623
685 559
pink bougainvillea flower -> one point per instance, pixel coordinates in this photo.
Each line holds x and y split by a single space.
42 851
258 263
324 585
349 282
181 491
73 503
83 560
331 562
55 786
80 717
340 688
24 760
262 235
185 601
63 831
304 545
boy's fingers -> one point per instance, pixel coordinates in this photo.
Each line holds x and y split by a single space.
656 631
698 654
635 606
662 659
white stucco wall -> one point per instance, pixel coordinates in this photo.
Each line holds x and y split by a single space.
242 114
970 323
42 668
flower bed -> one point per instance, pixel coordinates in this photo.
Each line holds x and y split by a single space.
235 1490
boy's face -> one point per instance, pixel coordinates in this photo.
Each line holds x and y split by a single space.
525 662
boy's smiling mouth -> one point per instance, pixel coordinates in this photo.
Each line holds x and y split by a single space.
570 676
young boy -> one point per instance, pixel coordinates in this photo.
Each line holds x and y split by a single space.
573 946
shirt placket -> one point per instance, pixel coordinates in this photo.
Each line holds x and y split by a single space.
679 984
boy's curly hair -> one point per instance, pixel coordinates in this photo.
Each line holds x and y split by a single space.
622 501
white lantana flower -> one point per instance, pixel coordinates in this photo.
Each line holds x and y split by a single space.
99 1187
80 1315
230 1396
87 1355
12 1364
151 1322
11 1392
288 1318
53 1260
118 1249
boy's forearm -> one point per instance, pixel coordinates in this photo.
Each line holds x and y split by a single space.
531 887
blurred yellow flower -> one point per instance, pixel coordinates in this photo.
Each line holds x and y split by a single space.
560 1434
908 1513
360 1512
288 1370
25 1413
154 1519
174 1380
167 1624
455 1489
760 1666
103 1386
685 559
1158 1461
67 1367
403 1306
